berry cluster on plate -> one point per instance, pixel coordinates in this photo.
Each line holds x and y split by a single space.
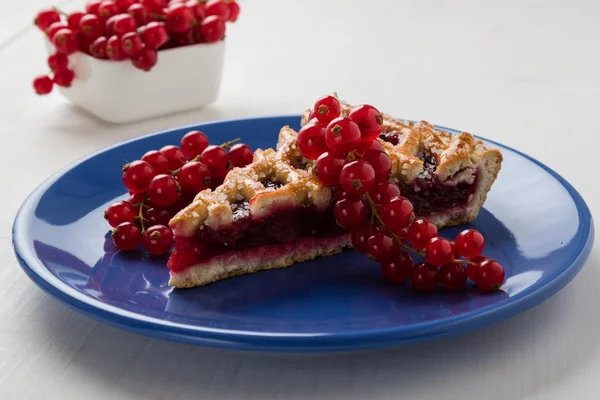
165 181
134 30
347 156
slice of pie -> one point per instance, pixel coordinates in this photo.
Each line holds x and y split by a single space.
275 212
266 215
446 177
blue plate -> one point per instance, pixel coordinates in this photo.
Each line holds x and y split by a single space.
535 224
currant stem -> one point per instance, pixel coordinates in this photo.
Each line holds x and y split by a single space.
140 215
158 16
227 145
61 12
396 237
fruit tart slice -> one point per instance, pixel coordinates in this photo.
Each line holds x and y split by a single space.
446 177
266 215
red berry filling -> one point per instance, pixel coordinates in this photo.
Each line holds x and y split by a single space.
282 226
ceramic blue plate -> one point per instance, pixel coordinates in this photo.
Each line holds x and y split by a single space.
535 224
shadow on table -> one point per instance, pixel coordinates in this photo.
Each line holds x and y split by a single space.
520 356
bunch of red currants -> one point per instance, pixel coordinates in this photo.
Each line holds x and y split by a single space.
128 29
348 157
164 182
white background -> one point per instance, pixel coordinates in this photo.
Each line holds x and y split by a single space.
524 73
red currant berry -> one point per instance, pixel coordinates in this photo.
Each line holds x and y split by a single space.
55 27
123 5
98 48
240 155
326 109
382 247
363 147
154 6
397 214
155 34
163 190
124 23
439 251
127 236
139 13
174 155
193 143
453 276
212 29
65 41
93 6
218 176
194 177
157 160
403 235
137 176
157 216
73 20
311 140
45 18
109 26
64 77
42 84
157 240
357 177
91 26
179 18
218 8
107 9
369 120
420 232
119 212
469 243
58 61
473 267
382 193
198 9
131 43
381 163
360 237
234 11
342 135
350 213
425 277
400 269
135 199
490 275
339 194
114 51
145 59
329 167
214 157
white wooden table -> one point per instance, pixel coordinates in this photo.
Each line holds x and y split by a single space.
525 73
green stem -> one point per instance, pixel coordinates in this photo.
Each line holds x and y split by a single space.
61 12
227 145
140 215
396 237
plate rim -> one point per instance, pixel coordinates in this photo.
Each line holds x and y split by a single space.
247 340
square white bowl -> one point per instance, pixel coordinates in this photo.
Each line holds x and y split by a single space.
184 78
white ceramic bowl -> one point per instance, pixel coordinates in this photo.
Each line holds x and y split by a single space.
183 78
